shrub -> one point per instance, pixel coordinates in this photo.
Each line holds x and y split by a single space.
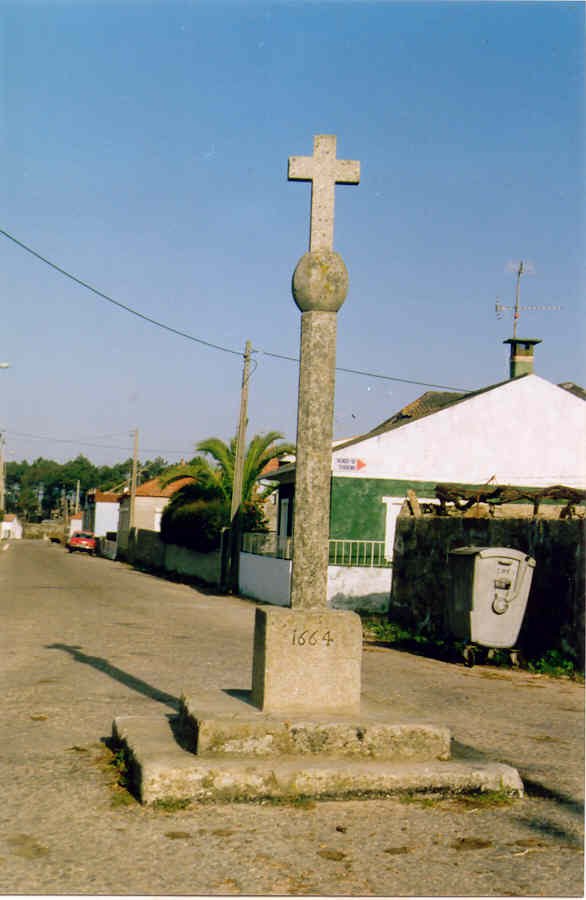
196 524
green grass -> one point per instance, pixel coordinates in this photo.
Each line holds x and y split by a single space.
171 804
555 663
474 800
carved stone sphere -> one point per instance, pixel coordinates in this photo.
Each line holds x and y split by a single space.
320 281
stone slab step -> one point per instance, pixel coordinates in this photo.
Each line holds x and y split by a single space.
217 724
162 770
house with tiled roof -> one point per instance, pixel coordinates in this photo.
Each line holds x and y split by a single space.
75 523
150 501
524 431
101 513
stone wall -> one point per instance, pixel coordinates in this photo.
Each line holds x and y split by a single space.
555 612
48 529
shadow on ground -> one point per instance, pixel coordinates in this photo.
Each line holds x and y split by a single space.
125 678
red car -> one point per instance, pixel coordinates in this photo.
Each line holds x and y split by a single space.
83 541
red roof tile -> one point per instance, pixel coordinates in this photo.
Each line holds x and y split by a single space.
153 487
106 497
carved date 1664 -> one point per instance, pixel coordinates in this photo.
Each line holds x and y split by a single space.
308 638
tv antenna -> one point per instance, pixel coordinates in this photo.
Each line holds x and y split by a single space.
522 268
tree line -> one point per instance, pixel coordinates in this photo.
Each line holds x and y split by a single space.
197 512
36 490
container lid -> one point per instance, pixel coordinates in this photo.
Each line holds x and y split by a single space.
487 552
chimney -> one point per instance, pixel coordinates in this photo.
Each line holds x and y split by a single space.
521 358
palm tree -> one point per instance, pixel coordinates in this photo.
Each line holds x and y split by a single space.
217 476
209 496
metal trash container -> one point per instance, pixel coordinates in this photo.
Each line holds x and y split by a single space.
488 596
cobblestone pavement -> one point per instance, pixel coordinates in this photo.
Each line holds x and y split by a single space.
85 639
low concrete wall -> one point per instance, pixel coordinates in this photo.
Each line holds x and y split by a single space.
355 588
554 618
360 589
107 549
145 548
188 562
265 578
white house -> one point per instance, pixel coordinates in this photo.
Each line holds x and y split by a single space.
525 432
75 523
10 527
101 512
150 501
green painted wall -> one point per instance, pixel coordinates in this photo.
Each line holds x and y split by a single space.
357 508
357 511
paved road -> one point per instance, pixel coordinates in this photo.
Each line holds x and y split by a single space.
85 639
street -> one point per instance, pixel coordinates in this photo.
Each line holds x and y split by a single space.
85 639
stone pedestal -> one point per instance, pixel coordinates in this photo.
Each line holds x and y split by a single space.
306 661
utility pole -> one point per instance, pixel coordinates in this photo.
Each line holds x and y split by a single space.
77 496
65 513
2 475
235 508
133 479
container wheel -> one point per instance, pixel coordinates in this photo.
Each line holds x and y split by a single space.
469 654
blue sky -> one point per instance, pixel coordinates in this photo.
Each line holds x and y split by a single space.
144 148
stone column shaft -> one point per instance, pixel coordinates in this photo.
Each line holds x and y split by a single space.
314 460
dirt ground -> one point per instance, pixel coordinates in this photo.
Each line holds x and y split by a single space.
84 640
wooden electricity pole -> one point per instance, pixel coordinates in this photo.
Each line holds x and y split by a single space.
133 479
2 475
235 508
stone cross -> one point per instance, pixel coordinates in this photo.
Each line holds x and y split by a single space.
320 284
307 658
324 171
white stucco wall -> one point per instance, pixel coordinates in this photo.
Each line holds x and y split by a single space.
147 512
355 587
75 524
11 530
349 587
106 518
527 431
265 578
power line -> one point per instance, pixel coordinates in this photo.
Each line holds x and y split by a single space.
371 374
197 340
134 312
41 437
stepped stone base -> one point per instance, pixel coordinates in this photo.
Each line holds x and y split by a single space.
221 724
223 749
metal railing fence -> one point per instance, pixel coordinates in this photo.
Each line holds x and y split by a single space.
368 554
342 552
